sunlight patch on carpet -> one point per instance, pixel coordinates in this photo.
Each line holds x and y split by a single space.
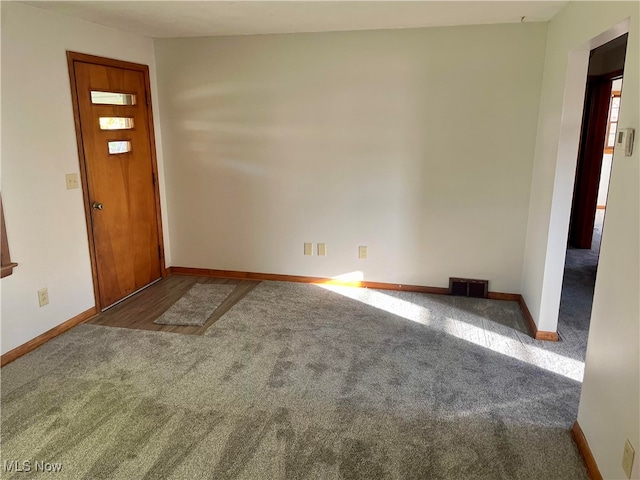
512 347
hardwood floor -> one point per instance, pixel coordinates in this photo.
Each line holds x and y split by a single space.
139 311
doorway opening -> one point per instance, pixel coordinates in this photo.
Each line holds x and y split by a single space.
595 156
116 147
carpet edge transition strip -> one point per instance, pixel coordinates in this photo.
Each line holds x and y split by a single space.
585 451
514 297
43 338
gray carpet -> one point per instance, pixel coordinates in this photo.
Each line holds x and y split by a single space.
578 284
301 382
196 306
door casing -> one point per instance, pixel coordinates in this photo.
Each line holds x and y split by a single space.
73 57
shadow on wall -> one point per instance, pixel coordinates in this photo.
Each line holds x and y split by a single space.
347 138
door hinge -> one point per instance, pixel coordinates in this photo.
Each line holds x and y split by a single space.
148 97
159 252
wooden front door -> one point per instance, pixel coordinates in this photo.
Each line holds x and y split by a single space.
117 153
592 147
585 193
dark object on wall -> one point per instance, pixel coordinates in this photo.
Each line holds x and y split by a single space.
605 65
7 264
468 287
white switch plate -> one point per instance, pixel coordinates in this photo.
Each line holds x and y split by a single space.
72 181
322 249
308 248
627 458
362 251
43 297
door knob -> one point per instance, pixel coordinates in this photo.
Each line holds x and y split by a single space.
97 206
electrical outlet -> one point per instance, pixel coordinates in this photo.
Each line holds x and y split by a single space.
627 458
308 248
43 297
362 252
72 181
322 249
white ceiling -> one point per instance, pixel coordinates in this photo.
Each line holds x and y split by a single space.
191 19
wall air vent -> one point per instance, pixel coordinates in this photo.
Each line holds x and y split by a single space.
468 287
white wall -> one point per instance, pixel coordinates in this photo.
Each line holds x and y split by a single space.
559 125
45 222
609 405
416 143
605 174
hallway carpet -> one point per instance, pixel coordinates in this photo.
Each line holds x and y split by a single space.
301 382
578 283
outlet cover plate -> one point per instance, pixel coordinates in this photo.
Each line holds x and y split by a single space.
43 297
308 248
72 181
627 458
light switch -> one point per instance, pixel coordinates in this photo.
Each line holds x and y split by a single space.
72 181
43 297
362 252
322 249
308 248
